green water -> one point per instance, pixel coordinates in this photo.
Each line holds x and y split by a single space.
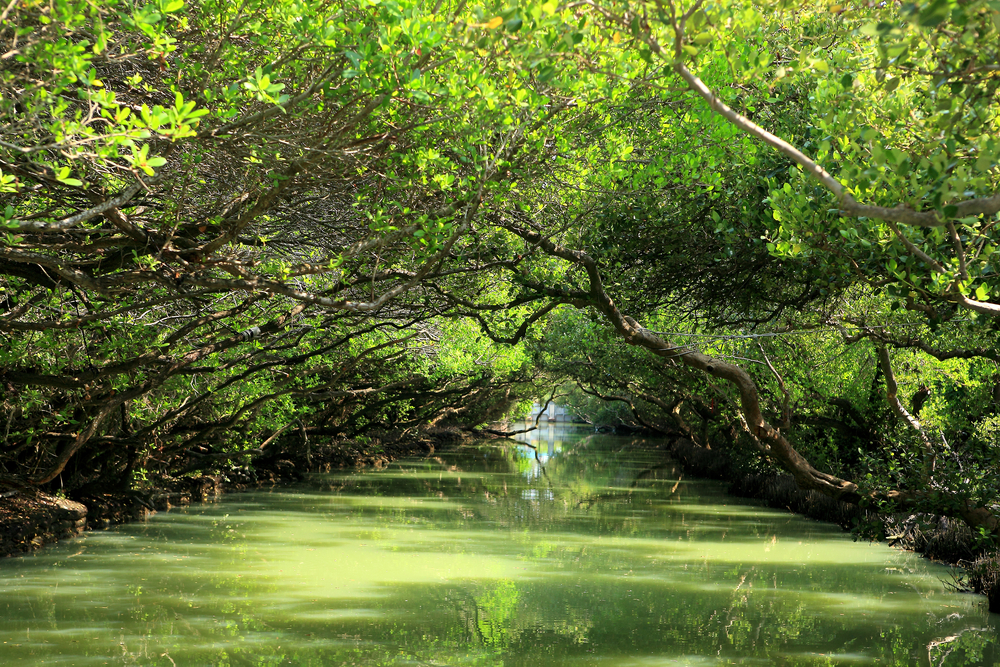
588 554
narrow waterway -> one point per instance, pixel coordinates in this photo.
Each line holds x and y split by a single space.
583 551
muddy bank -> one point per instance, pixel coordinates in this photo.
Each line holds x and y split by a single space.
939 538
30 519
30 522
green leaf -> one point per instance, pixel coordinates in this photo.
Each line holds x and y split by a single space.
870 29
935 13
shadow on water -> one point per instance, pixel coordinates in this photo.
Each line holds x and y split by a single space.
477 557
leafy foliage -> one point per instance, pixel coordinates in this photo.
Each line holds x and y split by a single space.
225 225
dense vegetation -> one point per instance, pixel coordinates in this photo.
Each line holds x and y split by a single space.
240 226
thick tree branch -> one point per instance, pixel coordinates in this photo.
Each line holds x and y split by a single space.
773 444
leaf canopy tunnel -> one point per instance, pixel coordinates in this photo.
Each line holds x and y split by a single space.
232 231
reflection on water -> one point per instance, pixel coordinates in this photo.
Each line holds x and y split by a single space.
579 551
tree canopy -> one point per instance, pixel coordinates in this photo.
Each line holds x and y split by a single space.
767 226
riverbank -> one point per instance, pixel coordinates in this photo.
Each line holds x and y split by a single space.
938 538
30 519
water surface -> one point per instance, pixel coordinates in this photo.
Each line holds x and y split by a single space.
584 551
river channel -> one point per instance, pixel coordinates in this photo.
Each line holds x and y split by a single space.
587 550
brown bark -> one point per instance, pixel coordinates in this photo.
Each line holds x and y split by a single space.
892 396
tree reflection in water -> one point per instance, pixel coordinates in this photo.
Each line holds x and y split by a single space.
478 557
